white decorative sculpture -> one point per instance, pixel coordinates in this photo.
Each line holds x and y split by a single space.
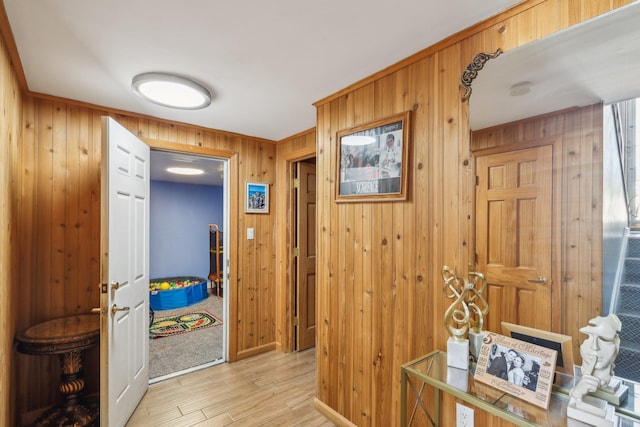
464 317
599 351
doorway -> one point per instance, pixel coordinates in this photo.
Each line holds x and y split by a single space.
183 207
304 217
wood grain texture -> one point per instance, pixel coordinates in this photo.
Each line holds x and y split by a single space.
576 138
295 148
62 216
11 147
400 304
379 290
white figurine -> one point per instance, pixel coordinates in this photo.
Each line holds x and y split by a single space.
599 352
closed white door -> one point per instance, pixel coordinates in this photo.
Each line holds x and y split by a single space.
124 330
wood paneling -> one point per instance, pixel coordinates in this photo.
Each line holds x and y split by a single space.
576 137
295 148
60 213
10 233
380 302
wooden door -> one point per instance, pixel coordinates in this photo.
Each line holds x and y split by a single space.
124 329
513 235
306 259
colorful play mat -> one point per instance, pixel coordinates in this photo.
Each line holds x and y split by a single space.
182 323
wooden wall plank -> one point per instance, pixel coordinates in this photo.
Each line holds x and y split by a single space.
11 177
62 206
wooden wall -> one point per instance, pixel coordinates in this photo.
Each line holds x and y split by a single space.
380 302
10 134
59 219
379 297
576 135
289 151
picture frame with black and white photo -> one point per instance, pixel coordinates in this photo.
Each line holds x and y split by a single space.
519 368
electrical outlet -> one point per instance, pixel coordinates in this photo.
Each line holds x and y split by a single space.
464 416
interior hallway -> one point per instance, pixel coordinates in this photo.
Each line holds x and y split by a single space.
271 389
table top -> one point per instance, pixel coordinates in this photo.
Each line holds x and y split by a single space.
432 368
61 335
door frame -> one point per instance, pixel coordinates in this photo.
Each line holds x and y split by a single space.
285 246
231 236
557 285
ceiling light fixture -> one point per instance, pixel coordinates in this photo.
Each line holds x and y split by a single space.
520 89
185 171
171 91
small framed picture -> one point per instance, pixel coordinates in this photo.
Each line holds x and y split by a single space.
519 368
563 344
373 160
256 197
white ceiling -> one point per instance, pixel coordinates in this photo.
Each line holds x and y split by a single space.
266 62
212 168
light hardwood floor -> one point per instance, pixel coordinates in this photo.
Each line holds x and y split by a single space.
271 389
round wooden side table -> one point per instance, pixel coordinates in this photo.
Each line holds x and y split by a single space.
68 337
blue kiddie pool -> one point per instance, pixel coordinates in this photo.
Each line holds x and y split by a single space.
167 293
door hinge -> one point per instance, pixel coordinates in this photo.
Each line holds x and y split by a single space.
296 183
477 180
296 252
295 321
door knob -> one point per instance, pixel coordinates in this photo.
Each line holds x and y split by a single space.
539 279
115 286
97 310
115 308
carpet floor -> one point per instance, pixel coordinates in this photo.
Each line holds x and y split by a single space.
177 353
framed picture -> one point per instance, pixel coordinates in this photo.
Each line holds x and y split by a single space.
256 197
373 160
519 368
562 344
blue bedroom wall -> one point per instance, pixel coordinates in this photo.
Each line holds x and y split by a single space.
179 232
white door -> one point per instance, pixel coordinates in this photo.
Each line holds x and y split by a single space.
124 326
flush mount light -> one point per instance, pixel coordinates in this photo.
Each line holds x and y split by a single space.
171 91
185 171
520 89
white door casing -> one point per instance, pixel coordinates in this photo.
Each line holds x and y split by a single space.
124 340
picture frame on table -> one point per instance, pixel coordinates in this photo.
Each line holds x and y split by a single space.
372 160
562 344
256 197
519 368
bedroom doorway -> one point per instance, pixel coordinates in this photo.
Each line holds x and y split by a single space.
188 320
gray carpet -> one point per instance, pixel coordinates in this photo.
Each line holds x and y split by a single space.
177 353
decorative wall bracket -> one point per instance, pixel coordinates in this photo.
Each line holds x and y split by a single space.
477 63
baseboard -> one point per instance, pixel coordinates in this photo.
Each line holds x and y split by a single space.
331 414
256 350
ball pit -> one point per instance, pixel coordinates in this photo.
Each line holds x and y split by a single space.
174 292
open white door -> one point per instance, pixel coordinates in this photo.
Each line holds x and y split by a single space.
124 326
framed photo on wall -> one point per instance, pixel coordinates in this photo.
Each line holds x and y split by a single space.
256 197
519 368
373 160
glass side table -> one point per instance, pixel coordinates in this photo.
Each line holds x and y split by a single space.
430 377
